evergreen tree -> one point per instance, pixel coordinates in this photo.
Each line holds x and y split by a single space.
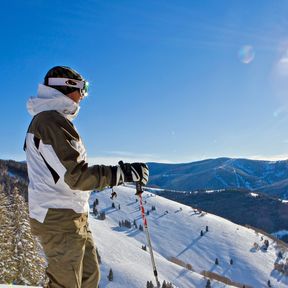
201 233
216 261
231 261
208 284
94 207
110 276
102 216
280 255
149 284
20 253
95 211
30 265
8 261
127 224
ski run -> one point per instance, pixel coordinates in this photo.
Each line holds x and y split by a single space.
189 245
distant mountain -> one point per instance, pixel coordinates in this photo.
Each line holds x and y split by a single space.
270 177
14 175
14 169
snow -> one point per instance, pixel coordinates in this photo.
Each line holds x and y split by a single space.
254 194
213 191
156 189
209 191
177 234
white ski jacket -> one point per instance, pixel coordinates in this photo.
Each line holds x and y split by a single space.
59 176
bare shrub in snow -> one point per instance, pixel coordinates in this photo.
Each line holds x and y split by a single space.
181 263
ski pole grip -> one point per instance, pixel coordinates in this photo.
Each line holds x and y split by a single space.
139 189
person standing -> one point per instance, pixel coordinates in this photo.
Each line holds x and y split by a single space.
60 180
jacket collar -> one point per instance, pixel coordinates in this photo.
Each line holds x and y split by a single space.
49 98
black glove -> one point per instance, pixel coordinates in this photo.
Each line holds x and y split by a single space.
132 172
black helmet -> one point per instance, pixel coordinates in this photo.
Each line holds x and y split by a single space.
66 80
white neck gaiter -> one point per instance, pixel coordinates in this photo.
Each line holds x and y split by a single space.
49 98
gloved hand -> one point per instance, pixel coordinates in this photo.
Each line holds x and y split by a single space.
132 172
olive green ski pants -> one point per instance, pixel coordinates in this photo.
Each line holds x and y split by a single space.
69 249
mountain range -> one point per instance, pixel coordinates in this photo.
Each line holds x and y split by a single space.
233 182
270 177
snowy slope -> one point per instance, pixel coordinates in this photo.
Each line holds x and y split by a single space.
175 232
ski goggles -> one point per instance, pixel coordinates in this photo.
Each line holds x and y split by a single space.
83 85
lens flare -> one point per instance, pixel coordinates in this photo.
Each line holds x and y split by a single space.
246 54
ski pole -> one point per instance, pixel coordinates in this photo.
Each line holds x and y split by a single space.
139 191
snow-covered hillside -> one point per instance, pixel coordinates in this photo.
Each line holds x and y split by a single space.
175 232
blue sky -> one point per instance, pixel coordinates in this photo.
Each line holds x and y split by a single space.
170 80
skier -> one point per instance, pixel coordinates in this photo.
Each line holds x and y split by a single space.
60 180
